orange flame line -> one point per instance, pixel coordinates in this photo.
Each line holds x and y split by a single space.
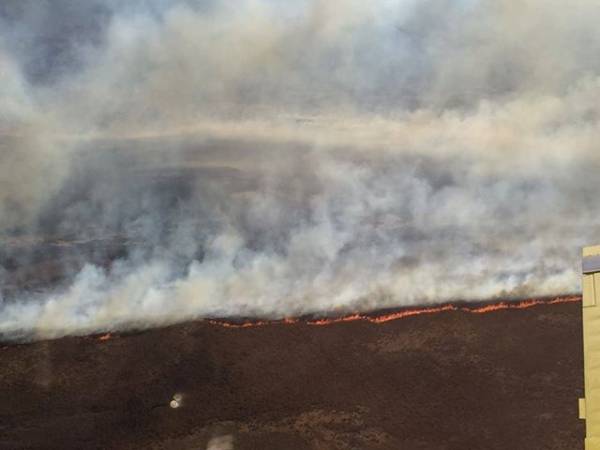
105 337
500 306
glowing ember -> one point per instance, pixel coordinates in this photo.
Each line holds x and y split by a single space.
105 337
504 305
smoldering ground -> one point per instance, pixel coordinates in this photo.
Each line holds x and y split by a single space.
193 159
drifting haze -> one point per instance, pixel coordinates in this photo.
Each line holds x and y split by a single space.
276 159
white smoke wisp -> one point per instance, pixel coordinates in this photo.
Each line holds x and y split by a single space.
273 161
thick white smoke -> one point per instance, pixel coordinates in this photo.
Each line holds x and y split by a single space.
185 159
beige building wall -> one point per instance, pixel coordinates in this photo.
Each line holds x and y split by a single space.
589 407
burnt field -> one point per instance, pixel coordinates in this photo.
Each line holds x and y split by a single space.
450 380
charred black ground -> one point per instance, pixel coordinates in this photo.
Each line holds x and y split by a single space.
507 379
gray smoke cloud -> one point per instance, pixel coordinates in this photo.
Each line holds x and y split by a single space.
168 160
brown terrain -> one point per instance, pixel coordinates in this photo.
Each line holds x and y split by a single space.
452 380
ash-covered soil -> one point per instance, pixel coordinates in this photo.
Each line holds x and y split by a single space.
452 381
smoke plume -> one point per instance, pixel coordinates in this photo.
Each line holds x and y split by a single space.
163 160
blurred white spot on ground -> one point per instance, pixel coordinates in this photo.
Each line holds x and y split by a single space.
220 443
176 401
